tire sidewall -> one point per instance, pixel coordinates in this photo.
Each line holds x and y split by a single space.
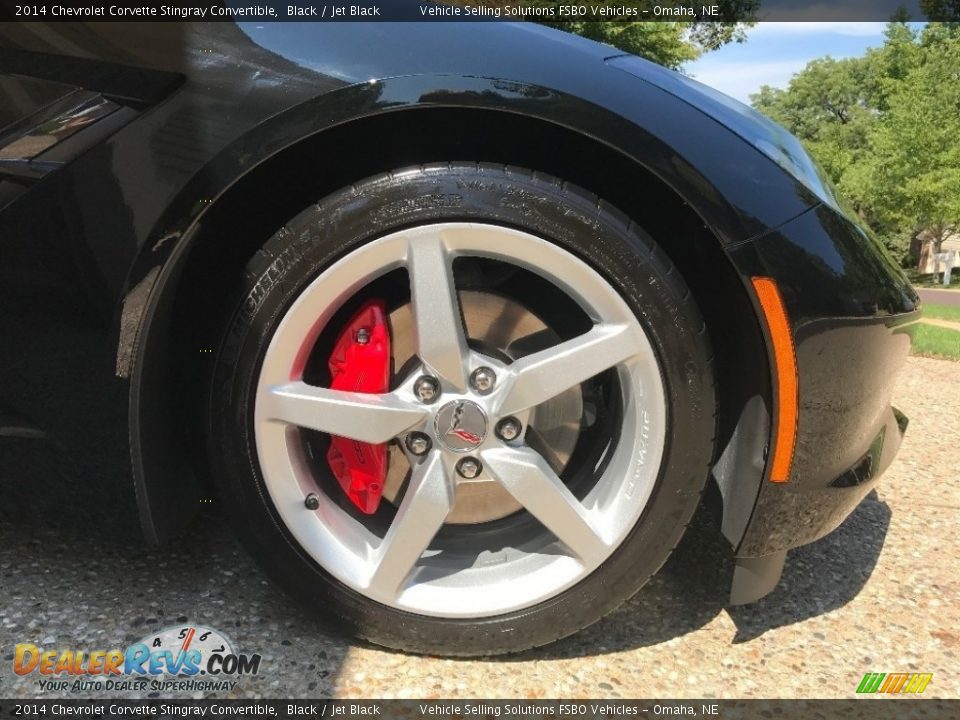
626 257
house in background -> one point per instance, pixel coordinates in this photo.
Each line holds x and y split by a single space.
929 263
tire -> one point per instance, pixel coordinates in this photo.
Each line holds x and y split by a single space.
636 274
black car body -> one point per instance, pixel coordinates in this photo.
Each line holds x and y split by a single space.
167 152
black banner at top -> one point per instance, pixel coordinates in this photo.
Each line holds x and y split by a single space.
558 11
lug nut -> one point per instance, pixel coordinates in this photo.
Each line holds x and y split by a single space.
418 443
483 379
363 336
426 388
469 468
509 429
311 501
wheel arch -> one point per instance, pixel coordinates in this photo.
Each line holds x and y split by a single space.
191 295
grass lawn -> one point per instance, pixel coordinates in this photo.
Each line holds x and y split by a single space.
933 341
943 312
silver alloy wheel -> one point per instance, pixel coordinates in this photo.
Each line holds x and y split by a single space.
402 569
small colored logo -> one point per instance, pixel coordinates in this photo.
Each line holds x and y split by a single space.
461 425
901 683
163 659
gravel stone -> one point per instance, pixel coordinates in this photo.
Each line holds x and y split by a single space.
877 595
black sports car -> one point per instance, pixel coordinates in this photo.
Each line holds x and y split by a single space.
455 321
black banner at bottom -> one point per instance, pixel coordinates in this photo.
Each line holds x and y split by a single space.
868 708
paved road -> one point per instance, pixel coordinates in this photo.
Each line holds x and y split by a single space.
940 297
878 595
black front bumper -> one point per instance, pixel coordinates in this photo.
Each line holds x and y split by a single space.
785 518
852 311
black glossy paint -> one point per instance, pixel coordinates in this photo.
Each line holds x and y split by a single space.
222 106
852 310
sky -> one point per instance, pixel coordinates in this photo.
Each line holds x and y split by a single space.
774 51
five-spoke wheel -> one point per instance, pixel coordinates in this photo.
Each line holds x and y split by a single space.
528 419
453 432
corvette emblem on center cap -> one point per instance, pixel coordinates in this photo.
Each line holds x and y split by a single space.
461 425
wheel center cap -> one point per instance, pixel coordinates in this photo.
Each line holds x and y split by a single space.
461 425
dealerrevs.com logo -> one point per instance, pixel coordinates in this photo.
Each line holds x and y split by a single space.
187 659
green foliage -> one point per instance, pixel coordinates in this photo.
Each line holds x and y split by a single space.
913 179
668 43
897 244
662 42
934 281
828 106
885 128
942 10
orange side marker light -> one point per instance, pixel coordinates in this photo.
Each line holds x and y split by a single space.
785 361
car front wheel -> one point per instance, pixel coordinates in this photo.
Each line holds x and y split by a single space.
462 409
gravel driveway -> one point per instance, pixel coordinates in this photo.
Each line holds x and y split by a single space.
878 595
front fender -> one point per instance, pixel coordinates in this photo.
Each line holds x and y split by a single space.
728 183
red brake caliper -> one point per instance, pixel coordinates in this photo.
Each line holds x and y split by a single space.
360 362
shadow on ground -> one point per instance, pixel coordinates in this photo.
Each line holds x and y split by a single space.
66 585
692 587
822 576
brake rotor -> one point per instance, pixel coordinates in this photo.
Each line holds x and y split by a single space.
504 329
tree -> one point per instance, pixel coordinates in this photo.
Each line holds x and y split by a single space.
670 44
941 10
884 127
913 179
830 106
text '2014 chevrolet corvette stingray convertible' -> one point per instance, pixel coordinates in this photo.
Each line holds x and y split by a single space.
456 322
